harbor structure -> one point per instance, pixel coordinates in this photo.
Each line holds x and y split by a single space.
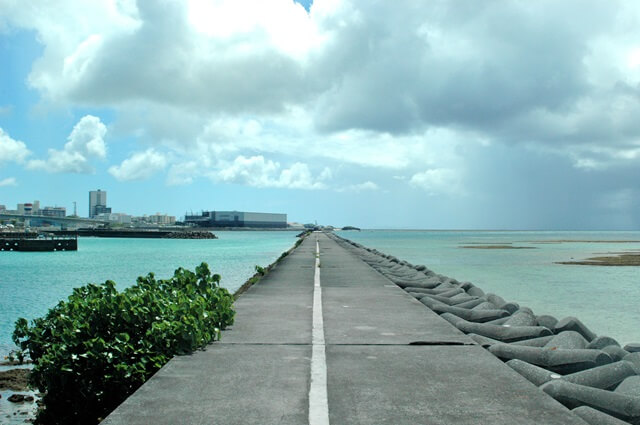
98 203
33 242
237 219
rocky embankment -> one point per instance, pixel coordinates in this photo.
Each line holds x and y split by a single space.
191 235
593 375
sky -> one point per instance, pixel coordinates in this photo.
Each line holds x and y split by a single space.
378 114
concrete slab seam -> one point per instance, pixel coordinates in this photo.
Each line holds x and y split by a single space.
318 399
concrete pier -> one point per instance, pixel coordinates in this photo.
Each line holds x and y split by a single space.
387 359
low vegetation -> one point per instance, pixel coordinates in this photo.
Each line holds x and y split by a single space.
95 349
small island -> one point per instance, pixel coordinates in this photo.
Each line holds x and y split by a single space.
496 247
621 259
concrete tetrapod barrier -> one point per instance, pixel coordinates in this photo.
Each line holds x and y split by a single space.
561 361
427 283
503 333
522 317
622 406
485 306
502 304
443 299
604 377
500 321
633 358
630 386
475 291
532 373
600 342
433 291
466 314
483 340
568 340
535 342
615 352
574 324
596 417
547 321
633 347
471 303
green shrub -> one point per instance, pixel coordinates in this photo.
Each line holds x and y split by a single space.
95 349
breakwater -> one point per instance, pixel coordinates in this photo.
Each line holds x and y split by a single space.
593 375
142 234
38 244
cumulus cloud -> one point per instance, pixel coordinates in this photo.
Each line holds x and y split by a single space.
360 187
438 181
406 91
139 166
9 181
182 174
260 172
85 143
512 72
12 150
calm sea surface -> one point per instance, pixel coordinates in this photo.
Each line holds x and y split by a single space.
31 283
606 299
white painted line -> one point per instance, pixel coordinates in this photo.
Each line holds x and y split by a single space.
318 402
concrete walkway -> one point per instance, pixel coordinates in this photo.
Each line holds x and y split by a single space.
386 358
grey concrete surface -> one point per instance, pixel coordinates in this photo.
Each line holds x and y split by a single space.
260 372
226 384
432 385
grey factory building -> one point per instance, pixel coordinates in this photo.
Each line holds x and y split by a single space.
237 219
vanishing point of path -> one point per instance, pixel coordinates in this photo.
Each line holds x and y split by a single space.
324 338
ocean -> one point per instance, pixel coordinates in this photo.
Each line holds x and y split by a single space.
606 299
33 282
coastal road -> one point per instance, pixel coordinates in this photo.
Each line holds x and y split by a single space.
324 338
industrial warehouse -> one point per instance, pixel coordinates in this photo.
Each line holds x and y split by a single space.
237 219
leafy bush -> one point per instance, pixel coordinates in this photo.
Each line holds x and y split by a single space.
95 349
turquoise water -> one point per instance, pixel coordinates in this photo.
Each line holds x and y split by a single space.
31 283
606 299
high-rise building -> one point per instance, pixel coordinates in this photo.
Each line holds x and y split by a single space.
97 203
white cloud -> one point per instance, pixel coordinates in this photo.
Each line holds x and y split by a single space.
360 187
139 166
85 143
12 150
183 173
9 181
258 172
438 181
268 95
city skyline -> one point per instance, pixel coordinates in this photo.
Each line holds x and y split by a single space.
486 115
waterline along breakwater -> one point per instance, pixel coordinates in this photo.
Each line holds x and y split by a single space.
604 298
33 282
591 374
331 335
